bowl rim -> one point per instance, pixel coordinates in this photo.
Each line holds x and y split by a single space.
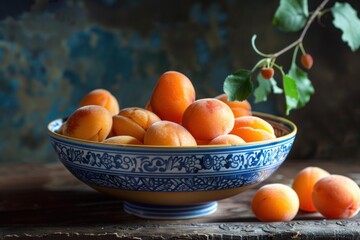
268 116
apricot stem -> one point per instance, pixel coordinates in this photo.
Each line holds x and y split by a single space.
263 62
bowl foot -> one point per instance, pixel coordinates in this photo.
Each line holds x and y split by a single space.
170 212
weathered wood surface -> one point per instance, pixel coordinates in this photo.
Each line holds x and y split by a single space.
45 201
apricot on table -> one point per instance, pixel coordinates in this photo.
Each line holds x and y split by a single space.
133 121
275 202
167 133
91 122
303 185
336 197
239 108
121 140
230 139
101 97
253 129
208 118
172 94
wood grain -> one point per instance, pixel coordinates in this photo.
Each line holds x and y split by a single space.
45 201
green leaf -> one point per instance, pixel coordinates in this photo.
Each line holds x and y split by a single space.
275 87
303 85
291 93
346 19
291 15
264 88
238 86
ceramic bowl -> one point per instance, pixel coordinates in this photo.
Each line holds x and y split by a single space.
173 182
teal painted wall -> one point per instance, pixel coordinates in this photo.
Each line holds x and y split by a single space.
54 52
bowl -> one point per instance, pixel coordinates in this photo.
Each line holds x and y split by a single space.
173 182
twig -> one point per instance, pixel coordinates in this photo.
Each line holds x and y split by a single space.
303 33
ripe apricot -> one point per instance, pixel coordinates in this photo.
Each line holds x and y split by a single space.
141 116
172 94
125 126
253 129
208 118
275 202
121 140
227 139
336 197
239 108
101 97
169 134
304 183
133 121
91 122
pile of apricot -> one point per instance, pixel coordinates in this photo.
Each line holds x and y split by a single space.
172 117
313 190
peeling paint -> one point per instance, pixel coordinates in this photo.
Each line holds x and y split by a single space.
54 52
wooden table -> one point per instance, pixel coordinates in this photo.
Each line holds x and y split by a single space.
44 201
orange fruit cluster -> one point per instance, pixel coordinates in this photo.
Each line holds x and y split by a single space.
172 117
313 190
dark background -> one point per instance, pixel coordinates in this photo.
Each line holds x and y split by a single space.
54 52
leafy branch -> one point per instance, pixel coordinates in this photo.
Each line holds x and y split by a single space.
291 15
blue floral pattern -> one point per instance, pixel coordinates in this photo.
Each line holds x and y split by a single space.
169 172
169 169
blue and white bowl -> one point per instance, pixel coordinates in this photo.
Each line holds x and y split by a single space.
173 182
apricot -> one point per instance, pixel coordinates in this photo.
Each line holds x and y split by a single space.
208 118
133 121
121 140
101 97
169 134
275 202
125 126
172 94
336 197
239 108
141 116
91 122
227 139
304 183
253 129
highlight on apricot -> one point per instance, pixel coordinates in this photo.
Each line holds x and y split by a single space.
90 122
173 93
253 129
143 117
227 139
101 97
336 197
275 202
208 118
303 185
122 140
239 108
167 133
133 121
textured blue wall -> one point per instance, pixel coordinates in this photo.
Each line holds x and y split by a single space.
52 53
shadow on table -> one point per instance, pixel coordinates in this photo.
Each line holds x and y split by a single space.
39 206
